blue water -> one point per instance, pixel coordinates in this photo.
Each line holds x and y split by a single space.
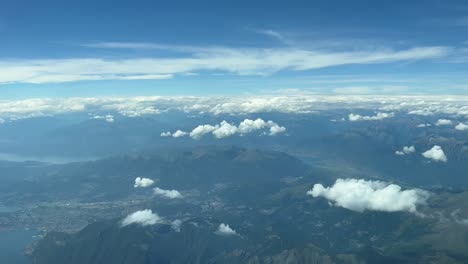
12 244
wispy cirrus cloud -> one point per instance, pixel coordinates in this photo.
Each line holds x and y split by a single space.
239 61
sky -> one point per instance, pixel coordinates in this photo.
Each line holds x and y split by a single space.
128 48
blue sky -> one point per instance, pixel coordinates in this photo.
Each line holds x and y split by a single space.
83 48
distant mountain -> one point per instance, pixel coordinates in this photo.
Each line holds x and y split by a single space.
114 177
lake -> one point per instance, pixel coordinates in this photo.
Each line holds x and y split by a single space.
12 244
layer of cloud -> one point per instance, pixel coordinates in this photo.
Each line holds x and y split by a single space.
225 129
142 182
169 194
406 150
378 116
242 61
361 195
436 153
143 218
455 107
225 229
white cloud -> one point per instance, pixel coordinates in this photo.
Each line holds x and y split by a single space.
202 130
166 134
424 125
226 129
142 182
275 129
107 118
378 116
176 224
249 126
461 126
406 150
360 195
455 107
179 133
224 229
143 217
435 153
170 194
242 61
443 122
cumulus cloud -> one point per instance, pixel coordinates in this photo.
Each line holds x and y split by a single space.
406 150
226 129
248 126
225 229
435 153
166 134
170 194
361 195
275 129
176 224
142 182
461 126
179 133
378 116
202 130
143 217
443 122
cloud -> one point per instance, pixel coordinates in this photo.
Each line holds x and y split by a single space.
275 129
361 195
455 107
241 61
179 133
202 130
443 122
224 229
176 224
166 134
378 116
225 129
461 126
424 125
406 150
143 217
107 118
435 153
142 182
170 194
276 35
